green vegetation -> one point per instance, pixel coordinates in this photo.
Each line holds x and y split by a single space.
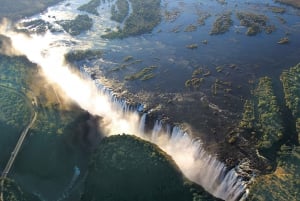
21 83
262 116
80 24
298 128
291 80
144 17
202 17
12 104
91 6
192 46
276 9
127 168
222 24
128 62
171 16
194 83
262 119
248 120
15 114
283 40
255 23
268 113
284 183
12 192
38 26
120 10
197 79
17 9
18 72
145 74
190 28
128 58
294 3
15 108
79 55
221 86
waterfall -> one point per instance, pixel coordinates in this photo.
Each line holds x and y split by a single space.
189 154
120 117
142 124
155 131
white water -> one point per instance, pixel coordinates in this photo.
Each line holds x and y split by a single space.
189 154
197 165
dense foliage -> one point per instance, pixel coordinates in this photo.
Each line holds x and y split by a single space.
291 81
120 11
91 7
80 24
144 17
255 23
294 3
144 74
269 117
12 192
284 183
21 84
79 55
127 168
262 115
222 24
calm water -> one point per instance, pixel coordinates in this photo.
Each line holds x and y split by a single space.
253 57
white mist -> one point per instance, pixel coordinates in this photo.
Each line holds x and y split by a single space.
48 52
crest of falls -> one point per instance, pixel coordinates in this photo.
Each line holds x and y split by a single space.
189 154
119 117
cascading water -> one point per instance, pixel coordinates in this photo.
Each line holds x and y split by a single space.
118 117
189 154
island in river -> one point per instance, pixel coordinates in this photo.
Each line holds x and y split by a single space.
174 65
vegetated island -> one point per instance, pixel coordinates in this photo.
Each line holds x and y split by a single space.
80 55
263 115
291 80
144 17
78 25
284 182
275 131
222 24
127 168
120 10
38 26
144 74
255 23
294 3
91 6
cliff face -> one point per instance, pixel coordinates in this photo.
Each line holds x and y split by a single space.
127 168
